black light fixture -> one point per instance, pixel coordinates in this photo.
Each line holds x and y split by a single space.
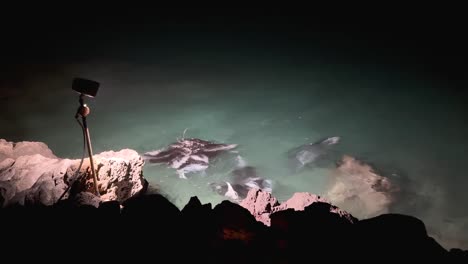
85 87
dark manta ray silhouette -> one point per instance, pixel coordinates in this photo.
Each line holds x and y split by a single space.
308 155
188 155
243 178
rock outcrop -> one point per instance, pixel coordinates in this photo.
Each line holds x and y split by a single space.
31 174
262 204
14 150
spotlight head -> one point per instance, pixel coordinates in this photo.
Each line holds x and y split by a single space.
85 87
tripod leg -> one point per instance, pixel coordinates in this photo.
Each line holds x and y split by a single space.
90 153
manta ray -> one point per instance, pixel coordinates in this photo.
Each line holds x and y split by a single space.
188 155
242 179
318 154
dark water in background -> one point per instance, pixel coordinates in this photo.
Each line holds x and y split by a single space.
267 95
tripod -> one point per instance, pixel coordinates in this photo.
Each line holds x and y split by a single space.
84 111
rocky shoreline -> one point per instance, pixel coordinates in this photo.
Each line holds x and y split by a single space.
150 223
31 174
259 228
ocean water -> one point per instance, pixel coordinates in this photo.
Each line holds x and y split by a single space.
396 119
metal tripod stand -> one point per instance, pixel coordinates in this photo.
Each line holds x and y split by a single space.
83 111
